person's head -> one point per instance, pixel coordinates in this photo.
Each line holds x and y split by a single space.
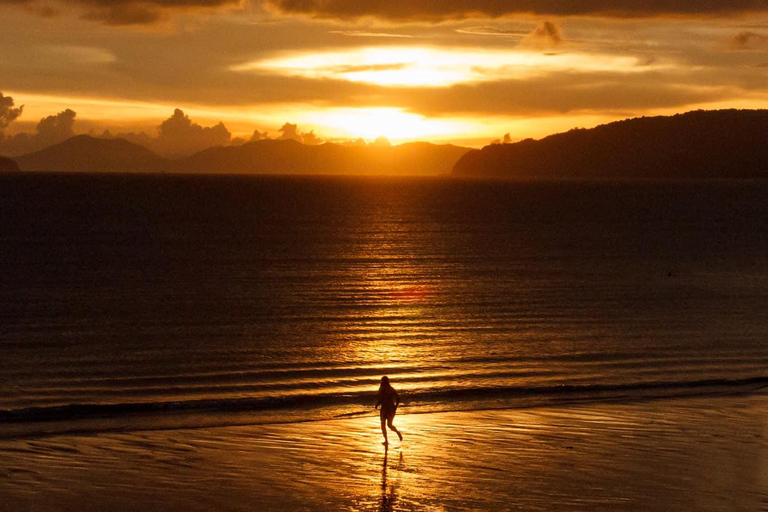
385 383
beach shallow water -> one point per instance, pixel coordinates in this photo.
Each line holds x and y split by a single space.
144 317
703 454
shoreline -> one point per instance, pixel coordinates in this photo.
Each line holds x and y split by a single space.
205 419
693 453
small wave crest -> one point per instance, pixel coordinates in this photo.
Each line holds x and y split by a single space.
422 400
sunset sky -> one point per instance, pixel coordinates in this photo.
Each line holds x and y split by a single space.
465 72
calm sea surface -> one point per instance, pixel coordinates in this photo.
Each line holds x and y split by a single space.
186 300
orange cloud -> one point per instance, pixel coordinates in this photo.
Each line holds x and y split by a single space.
547 34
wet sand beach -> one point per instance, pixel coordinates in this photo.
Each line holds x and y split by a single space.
703 454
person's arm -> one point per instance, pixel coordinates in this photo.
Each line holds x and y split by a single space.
378 403
397 399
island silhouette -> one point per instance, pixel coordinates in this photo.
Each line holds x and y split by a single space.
8 165
699 144
83 153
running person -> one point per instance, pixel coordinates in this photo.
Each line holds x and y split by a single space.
388 400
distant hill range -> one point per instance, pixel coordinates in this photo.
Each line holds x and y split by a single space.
700 144
291 157
87 154
83 153
8 165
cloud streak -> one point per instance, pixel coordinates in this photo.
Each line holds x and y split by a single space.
441 10
417 67
362 33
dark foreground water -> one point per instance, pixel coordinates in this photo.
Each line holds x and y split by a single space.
187 300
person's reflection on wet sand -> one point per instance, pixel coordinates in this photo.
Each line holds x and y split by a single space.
388 494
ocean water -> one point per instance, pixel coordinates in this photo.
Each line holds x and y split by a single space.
166 301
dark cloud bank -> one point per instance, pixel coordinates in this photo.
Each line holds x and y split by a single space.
138 12
439 10
121 12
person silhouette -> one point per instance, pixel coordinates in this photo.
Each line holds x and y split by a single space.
388 400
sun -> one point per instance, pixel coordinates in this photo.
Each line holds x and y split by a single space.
392 123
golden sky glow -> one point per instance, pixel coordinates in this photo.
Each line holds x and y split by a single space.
407 66
465 73
397 124
339 123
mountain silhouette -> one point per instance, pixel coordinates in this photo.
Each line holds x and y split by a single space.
291 157
699 144
83 153
8 165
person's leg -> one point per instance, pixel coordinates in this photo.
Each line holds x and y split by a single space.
391 426
384 429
